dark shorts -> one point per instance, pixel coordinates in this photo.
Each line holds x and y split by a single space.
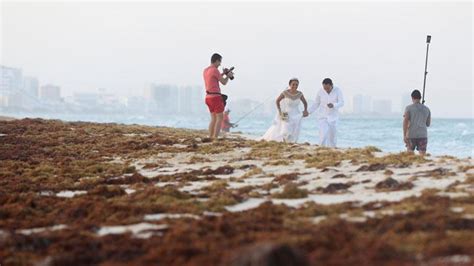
419 143
215 104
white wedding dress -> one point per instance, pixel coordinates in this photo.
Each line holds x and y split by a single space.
289 130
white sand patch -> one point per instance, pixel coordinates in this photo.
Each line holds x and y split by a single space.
150 173
70 193
4 235
261 191
117 160
353 219
456 260
215 214
470 171
237 162
365 192
453 194
161 216
41 229
236 185
236 173
180 163
468 216
237 135
318 219
127 189
361 193
47 193
370 214
291 202
294 167
251 181
381 213
246 205
427 182
363 197
380 154
469 188
164 184
195 186
179 146
387 212
362 184
202 199
369 195
114 177
130 190
136 134
457 209
88 178
140 230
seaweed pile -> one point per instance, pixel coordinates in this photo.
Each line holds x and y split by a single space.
89 193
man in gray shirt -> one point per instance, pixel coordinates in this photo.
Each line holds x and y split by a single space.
417 119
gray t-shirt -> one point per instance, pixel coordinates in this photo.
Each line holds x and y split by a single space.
418 115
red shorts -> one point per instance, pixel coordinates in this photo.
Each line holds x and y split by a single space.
215 104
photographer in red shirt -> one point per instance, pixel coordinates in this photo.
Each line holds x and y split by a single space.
214 98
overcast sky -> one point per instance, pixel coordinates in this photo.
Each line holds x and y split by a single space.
365 47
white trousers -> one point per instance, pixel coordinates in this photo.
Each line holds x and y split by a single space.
327 133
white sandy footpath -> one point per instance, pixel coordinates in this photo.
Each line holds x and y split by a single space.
361 191
311 178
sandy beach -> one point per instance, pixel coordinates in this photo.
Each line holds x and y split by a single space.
111 194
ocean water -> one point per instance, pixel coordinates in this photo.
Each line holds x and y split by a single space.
446 136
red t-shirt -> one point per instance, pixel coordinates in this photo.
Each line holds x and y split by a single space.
211 79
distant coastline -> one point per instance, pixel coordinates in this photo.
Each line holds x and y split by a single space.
6 118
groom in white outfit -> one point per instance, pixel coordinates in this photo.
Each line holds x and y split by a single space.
328 101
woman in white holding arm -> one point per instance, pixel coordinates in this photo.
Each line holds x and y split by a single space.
328 101
287 123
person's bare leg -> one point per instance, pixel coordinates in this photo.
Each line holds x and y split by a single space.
212 125
217 126
224 133
423 147
409 147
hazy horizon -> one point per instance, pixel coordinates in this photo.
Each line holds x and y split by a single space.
369 48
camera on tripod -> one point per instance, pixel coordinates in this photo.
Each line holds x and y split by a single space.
228 71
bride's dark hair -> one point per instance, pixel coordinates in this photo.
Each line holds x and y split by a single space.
293 79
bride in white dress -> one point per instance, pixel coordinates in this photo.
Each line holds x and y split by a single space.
287 123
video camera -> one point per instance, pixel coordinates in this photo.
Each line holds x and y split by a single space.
227 71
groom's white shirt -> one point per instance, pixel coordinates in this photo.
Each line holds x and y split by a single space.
321 105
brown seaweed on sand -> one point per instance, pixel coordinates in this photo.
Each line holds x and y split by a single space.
392 184
336 187
63 183
291 191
